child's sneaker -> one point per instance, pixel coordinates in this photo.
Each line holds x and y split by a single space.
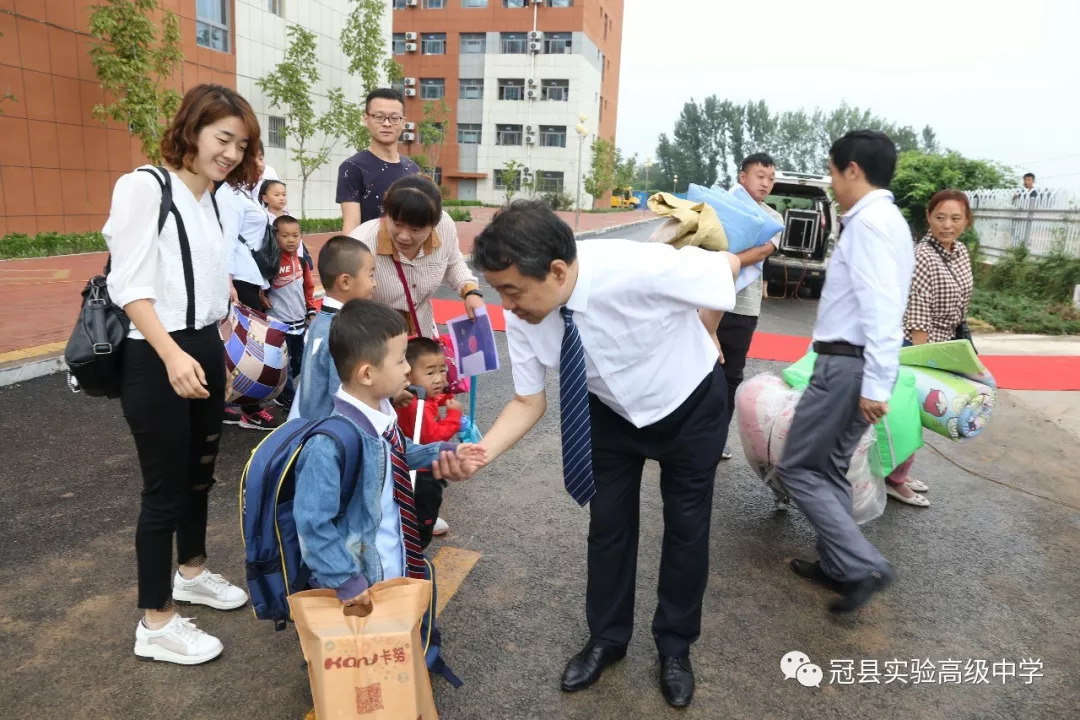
208 589
440 528
233 415
178 642
269 418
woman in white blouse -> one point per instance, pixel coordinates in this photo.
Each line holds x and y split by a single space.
415 240
174 285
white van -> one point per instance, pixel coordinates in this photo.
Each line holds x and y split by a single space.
810 231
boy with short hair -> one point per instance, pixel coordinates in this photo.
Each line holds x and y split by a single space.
292 297
347 271
375 536
427 364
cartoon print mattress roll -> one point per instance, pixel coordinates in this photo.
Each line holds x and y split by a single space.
951 405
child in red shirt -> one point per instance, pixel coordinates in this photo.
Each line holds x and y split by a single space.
428 371
291 297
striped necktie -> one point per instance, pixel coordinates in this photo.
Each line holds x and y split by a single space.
403 495
574 412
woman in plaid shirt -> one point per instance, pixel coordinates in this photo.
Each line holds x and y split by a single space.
937 304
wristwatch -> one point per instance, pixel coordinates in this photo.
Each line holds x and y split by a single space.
475 292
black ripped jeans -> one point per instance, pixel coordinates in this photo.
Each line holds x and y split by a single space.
177 443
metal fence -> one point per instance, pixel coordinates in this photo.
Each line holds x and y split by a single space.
1005 219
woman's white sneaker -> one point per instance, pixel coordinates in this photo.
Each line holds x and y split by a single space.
208 589
178 642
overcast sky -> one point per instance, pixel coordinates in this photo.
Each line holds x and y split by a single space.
996 80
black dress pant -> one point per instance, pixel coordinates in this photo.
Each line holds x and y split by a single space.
735 333
177 443
687 444
428 496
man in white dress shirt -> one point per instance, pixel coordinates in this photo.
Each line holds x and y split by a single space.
639 379
857 336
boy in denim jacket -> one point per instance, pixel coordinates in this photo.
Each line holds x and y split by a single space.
375 537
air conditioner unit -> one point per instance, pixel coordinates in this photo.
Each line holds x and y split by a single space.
410 126
410 92
411 36
530 139
532 93
409 82
410 47
408 137
412 3
532 82
536 35
525 170
536 46
529 129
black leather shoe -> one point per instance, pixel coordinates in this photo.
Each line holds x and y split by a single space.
857 593
585 668
812 571
676 681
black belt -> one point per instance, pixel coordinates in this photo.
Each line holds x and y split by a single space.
838 348
298 325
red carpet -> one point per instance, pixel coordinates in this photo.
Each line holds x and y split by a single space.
1012 372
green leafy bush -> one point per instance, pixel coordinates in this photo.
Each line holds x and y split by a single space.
461 203
1022 293
18 245
320 225
557 200
458 215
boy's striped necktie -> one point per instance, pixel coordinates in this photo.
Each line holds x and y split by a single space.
403 495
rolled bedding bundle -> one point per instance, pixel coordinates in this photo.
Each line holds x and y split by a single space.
951 405
765 407
956 392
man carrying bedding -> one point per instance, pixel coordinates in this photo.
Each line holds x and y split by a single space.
757 174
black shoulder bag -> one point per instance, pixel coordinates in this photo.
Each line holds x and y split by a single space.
93 352
963 332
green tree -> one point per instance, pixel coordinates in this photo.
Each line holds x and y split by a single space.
919 175
432 130
133 60
625 169
288 86
601 177
510 177
362 42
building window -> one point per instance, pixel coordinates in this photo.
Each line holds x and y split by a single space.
552 136
276 138
507 134
399 4
559 43
471 89
560 3
515 3
398 86
500 183
433 43
514 43
276 6
434 4
474 3
397 47
469 133
432 88
473 43
212 24
511 89
436 175
549 181
558 90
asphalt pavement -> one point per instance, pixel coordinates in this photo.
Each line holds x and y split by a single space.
987 574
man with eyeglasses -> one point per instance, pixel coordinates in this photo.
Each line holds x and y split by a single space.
364 178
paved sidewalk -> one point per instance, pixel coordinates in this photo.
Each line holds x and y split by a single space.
40 296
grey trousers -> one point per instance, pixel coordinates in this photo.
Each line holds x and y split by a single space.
824 433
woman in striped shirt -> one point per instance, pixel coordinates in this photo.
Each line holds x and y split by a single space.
937 304
416 250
